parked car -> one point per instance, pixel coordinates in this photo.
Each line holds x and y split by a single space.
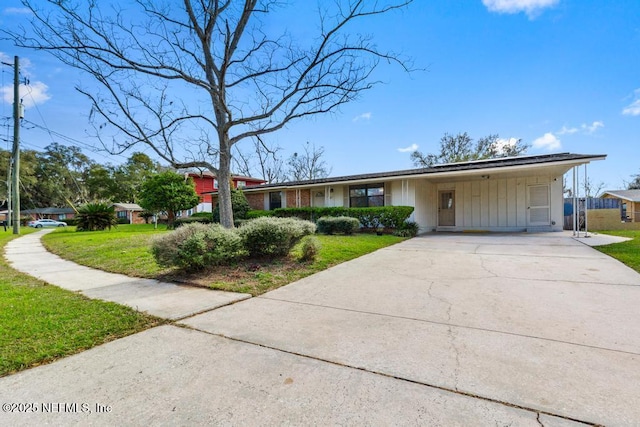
46 223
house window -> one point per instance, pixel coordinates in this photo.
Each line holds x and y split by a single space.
362 196
241 184
121 214
275 200
215 183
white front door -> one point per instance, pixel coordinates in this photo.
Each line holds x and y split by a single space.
539 206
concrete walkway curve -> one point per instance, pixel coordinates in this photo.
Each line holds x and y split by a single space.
443 329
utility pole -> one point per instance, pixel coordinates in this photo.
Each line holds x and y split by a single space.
15 187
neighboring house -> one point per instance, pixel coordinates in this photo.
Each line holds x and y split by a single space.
629 203
206 183
130 212
59 214
506 194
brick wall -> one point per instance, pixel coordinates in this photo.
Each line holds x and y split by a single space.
256 200
292 201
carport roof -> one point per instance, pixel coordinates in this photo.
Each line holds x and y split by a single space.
453 168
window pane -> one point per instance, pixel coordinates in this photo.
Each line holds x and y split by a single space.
376 201
358 202
375 191
358 192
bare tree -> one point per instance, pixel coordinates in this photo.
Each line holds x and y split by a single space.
308 164
460 148
261 161
246 80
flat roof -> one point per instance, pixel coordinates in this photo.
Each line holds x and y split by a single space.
452 168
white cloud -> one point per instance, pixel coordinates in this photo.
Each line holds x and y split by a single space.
633 109
363 116
567 131
411 148
548 142
502 143
592 127
34 94
17 11
530 7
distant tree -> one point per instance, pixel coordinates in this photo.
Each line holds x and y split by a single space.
461 148
60 172
28 178
635 184
261 161
250 75
308 164
168 192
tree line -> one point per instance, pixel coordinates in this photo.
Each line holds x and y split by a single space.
63 176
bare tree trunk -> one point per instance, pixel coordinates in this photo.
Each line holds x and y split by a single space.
224 185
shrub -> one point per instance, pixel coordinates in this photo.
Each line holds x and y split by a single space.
146 215
253 214
370 218
196 246
407 229
338 224
207 215
309 249
271 237
96 216
239 206
193 220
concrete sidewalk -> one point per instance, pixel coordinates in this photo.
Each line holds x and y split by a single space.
166 300
438 330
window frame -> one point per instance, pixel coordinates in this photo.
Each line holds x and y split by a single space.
367 197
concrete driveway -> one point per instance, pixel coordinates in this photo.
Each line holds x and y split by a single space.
439 330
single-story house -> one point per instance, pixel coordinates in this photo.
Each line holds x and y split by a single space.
629 203
130 212
59 214
523 193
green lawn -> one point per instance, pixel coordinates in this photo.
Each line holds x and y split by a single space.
125 249
627 252
41 323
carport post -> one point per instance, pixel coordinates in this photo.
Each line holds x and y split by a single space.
586 201
575 202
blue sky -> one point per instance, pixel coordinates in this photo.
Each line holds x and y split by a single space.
562 75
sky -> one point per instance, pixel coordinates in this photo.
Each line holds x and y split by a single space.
562 75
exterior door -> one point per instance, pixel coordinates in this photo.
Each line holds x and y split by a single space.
539 209
447 208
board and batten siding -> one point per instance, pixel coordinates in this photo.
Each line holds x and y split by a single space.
498 204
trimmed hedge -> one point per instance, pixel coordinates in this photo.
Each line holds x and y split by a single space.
193 220
270 237
253 214
391 217
338 224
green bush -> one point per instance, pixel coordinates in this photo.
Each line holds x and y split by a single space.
196 246
338 224
193 220
272 237
407 229
390 217
239 206
208 215
309 249
146 215
96 216
253 214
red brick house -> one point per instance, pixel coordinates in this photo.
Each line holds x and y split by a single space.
206 183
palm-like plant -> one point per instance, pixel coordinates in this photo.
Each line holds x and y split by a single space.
96 216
